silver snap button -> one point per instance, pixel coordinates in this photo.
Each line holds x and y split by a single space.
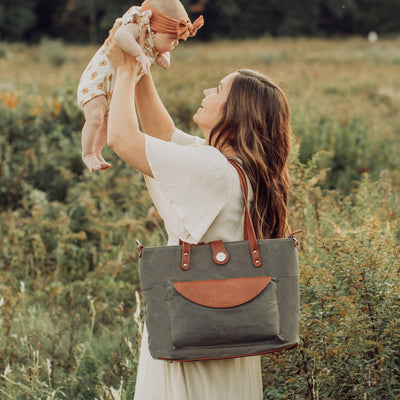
220 256
185 254
185 264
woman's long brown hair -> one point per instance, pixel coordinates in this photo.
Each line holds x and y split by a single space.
255 122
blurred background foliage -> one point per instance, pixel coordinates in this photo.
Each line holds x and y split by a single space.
70 313
89 21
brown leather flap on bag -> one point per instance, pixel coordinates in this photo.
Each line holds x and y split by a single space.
222 293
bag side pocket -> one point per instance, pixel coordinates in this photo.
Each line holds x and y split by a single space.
255 318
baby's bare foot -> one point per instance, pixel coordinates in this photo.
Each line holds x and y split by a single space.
104 163
93 163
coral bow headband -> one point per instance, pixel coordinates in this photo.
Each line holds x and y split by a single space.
164 24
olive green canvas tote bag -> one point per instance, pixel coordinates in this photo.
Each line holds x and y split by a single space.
221 299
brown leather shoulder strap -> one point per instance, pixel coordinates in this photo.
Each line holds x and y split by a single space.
249 232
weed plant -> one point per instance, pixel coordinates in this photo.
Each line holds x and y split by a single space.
53 51
70 314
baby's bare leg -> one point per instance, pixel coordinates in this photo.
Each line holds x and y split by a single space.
101 140
93 130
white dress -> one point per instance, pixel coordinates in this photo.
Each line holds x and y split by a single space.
197 193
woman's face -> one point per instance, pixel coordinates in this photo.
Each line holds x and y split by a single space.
210 111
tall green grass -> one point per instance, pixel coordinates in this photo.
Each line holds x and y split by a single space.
69 291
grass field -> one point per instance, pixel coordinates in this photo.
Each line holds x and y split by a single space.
69 327
340 81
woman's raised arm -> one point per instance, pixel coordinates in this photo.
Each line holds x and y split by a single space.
124 136
154 117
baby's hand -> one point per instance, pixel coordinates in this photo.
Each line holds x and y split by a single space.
163 60
144 62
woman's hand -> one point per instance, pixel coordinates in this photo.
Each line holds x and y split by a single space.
144 62
118 57
117 24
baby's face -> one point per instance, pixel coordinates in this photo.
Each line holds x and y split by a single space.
164 41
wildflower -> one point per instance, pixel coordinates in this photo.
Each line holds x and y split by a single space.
10 99
81 235
116 394
49 369
136 315
57 107
130 346
7 370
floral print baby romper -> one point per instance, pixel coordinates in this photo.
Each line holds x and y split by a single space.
99 76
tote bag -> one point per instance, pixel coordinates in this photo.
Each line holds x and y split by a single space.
221 299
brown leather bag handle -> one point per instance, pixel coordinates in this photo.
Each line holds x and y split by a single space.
249 232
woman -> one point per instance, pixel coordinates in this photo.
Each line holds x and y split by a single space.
197 193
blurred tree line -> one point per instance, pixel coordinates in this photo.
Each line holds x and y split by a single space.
90 20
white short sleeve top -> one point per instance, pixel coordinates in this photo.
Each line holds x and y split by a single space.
195 190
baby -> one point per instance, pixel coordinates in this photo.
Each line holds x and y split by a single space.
164 23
